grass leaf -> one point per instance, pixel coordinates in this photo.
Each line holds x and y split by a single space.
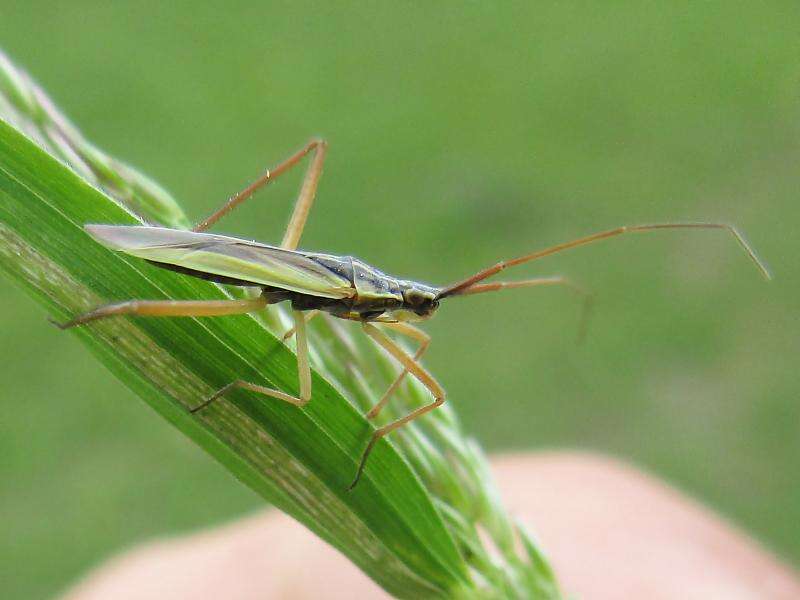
411 524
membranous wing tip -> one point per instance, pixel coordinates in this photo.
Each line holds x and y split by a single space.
133 237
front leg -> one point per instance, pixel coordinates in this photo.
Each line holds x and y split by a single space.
424 341
413 367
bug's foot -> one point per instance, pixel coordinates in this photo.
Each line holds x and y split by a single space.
355 481
360 471
88 317
209 400
375 437
64 325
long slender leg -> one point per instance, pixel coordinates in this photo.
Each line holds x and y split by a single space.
424 341
303 373
211 308
460 286
253 387
588 298
303 368
169 308
305 199
417 371
309 185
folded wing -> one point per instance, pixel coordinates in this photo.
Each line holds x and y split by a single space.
227 256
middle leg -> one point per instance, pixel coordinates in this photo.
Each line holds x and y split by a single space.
303 374
304 200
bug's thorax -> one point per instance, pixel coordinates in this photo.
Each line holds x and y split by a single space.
381 297
376 295
373 287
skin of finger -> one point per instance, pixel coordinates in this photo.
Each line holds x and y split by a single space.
613 531
610 531
266 556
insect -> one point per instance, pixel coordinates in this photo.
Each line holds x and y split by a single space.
312 282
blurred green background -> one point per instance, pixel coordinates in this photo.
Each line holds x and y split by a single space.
460 134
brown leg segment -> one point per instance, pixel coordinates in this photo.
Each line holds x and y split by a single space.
252 387
169 308
303 368
303 374
305 199
211 308
417 371
303 204
424 341
290 240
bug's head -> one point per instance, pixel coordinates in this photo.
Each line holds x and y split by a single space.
420 301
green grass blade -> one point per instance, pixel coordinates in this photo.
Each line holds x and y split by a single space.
300 460
411 524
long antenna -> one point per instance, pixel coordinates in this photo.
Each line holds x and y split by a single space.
460 287
588 297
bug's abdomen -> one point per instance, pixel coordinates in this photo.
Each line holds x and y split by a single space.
348 308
